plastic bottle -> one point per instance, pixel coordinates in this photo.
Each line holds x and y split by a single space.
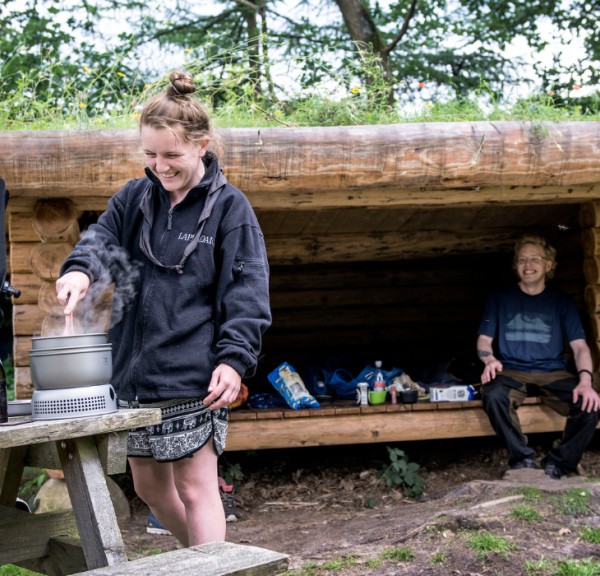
379 381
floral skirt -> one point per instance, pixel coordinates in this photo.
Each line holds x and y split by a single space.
187 425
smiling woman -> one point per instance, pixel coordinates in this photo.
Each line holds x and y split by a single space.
196 328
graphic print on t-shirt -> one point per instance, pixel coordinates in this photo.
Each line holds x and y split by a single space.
525 328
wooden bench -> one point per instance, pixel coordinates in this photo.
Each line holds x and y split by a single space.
344 423
215 559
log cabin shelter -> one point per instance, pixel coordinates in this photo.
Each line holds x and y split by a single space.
383 241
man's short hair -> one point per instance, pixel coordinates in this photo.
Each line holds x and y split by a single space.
549 251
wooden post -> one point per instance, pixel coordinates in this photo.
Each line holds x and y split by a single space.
12 462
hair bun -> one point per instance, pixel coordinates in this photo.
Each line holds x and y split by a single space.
181 84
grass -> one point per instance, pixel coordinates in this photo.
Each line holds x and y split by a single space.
539 566
10 570
484 543
591 535
572 503
402 554
532 495
585 567
525 513
437 558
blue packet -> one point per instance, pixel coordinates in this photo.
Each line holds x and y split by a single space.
289 384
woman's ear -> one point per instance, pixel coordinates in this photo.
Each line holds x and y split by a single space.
203 146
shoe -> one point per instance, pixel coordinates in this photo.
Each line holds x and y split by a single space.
552 470
525 463
153 526
226 493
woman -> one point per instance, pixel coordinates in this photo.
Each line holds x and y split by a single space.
194 329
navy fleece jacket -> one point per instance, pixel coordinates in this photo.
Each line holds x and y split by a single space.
179 327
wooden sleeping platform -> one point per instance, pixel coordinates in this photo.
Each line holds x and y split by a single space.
344 423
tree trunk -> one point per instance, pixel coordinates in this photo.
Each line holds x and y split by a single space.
253 52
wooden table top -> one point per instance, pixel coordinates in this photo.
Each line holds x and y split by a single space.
51 430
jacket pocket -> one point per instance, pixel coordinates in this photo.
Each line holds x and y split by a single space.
249 268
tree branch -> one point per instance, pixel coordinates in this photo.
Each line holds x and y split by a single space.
403 30
209 22
247 4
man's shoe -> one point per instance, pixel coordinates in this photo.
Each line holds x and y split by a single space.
552 470
153 526
525 463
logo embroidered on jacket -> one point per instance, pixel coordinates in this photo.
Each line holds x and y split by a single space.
203 239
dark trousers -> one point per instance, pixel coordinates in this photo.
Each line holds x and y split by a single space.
503 396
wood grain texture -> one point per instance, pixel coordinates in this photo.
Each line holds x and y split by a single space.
19 257
25 538
52 430
29 285
46 259
214 559
301 166
23 384
92 507
20 227
590 240
591 271
11 472
398 426
55 220
65 556
592 299
590 214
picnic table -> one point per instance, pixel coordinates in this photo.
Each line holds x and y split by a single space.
70 541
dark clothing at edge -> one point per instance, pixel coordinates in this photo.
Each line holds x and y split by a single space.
179 327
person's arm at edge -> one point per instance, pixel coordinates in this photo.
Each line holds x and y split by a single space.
486 355
583 361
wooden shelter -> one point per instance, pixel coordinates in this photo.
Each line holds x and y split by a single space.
382 240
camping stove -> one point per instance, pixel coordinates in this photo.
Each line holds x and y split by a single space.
73 402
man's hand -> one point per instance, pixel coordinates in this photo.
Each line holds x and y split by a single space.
489 372
225 384
71 288
589 397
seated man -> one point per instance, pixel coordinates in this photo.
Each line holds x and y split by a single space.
530 321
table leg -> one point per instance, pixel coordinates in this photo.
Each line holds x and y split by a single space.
12 462
93 509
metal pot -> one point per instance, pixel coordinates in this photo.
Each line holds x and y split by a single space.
71 368
53 342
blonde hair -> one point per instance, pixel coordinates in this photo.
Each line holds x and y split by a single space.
175 110
549 251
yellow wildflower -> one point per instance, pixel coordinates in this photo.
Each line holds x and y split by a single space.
82 106
121 74
277 112
87 70
98 121
147 85
187 50
135 115
355 90
429 106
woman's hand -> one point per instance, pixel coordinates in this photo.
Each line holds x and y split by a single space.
225 384
71 288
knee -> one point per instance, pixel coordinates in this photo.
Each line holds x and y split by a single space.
493 394
149 491
191 491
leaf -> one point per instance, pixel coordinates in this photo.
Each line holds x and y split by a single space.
371 502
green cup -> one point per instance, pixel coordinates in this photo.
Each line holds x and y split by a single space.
377 397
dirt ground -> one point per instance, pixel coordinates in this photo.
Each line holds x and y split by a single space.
312 504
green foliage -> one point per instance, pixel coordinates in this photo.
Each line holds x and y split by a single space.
585 567
591 535
403 554
401 472
525 513
10 570
373 562
9 371
539 566
29 489
532 495
437 558
484 543
575 502
231 473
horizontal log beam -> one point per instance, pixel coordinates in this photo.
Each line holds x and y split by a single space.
388 427
297 167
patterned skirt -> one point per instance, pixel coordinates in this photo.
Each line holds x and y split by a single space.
187 425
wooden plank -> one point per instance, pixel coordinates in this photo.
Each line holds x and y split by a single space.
29 285
374 409
82 203
242 415
52 430
390 427
324 410
11 472
269 414
112 449
301 167
20 227
28 537
214 559
346 410
590 214
301 413
309 249
21 345
94 513
27 320
65 556
23 384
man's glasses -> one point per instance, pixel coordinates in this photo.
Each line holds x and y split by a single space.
533 260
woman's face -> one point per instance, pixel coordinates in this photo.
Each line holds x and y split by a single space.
176 163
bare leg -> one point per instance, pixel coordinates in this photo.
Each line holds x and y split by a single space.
155 485
197 483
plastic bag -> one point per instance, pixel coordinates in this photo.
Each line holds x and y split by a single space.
289 384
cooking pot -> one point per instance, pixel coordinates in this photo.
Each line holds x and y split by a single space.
53 369
68 341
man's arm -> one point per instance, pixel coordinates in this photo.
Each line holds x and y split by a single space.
583 361
486 354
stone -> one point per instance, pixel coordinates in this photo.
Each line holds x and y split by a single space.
54 496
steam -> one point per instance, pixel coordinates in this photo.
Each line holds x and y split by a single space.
109 297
